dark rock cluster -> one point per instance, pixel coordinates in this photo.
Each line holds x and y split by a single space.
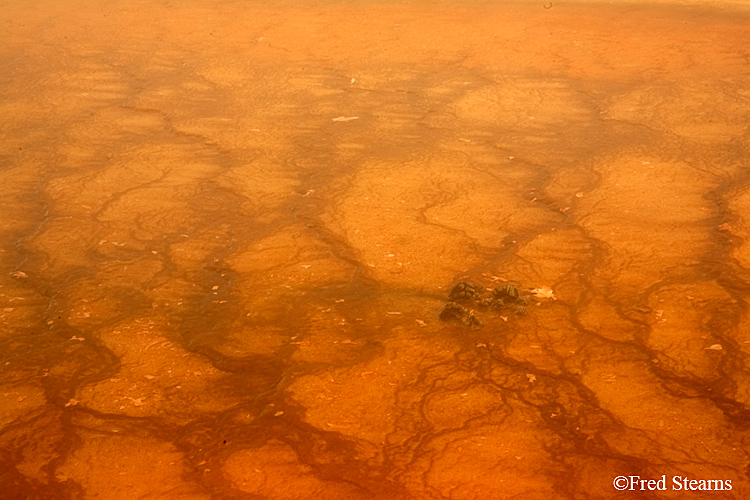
465 297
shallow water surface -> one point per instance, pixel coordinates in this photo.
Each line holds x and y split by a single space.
228 230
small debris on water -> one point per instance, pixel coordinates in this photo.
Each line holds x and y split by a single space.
543 292
335 426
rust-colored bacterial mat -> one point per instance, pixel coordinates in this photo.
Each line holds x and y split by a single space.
364 250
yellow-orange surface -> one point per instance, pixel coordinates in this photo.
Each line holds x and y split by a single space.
228 230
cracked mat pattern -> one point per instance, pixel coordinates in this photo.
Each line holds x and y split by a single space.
227 230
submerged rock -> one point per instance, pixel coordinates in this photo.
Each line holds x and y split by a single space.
464 291
459 314
506 291
505 297
453 312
